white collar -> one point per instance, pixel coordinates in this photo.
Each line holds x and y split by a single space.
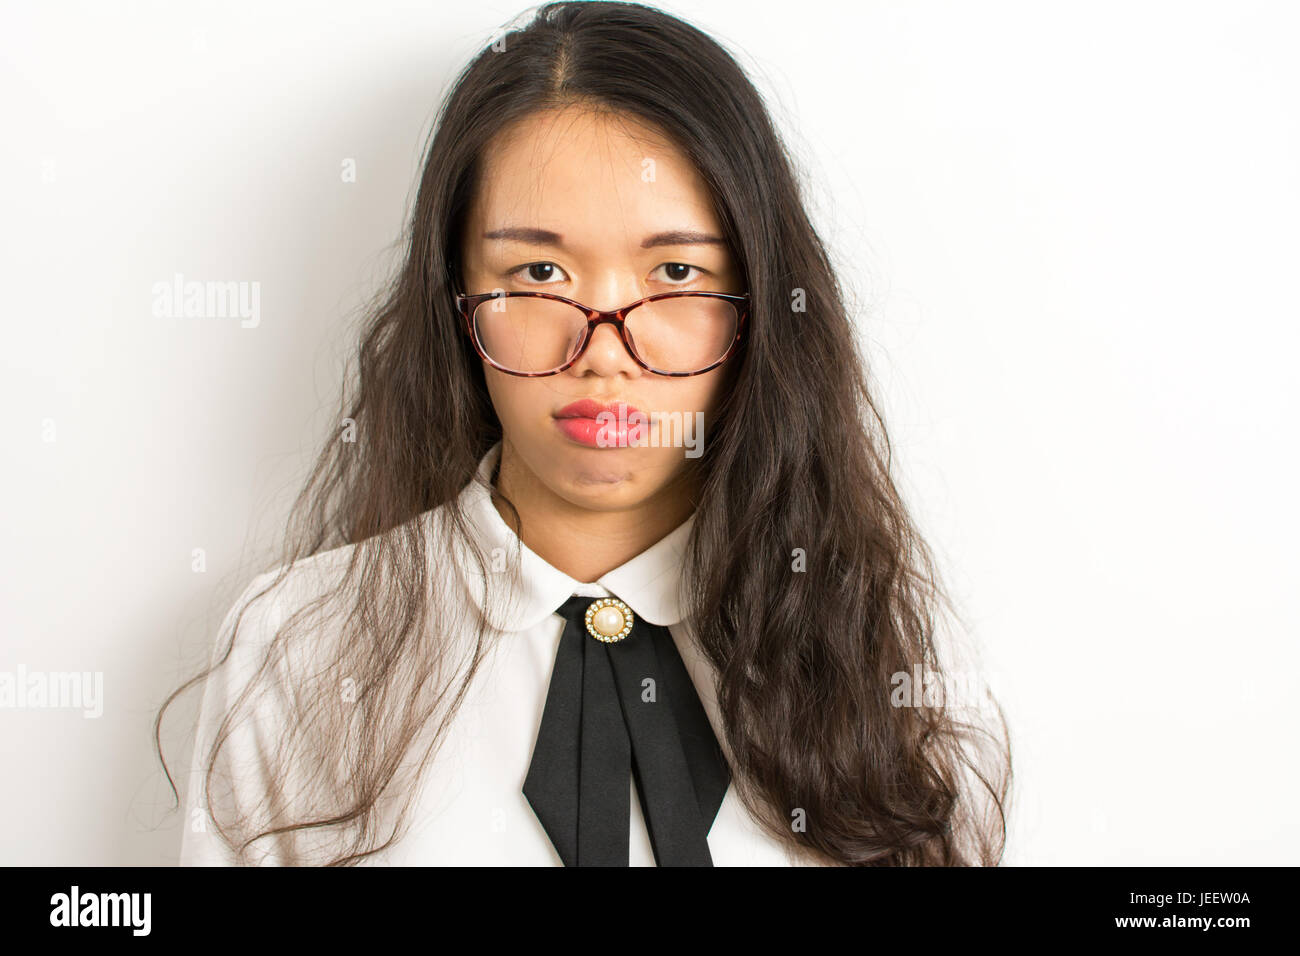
527 589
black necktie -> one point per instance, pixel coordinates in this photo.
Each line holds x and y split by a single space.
622 703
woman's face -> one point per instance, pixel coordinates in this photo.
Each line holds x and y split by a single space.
599 187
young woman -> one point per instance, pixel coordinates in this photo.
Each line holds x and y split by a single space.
605 565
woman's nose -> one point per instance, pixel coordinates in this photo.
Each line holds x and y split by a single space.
606 353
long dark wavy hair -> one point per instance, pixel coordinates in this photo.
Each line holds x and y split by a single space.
797 463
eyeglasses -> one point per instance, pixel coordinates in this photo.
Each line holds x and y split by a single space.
538 333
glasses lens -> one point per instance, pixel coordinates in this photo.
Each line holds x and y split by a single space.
527 334
682 333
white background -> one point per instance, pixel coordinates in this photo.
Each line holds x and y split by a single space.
1071 234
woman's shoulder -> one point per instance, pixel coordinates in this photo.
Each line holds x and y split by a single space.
245 642
322 581
306 577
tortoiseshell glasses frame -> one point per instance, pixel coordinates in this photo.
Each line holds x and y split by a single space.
467 304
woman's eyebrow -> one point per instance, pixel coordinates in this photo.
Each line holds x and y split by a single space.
545 237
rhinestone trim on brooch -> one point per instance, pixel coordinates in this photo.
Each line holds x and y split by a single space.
609 620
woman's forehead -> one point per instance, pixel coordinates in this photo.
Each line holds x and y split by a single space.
586 170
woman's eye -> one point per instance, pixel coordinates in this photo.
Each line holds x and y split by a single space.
540 272
679 271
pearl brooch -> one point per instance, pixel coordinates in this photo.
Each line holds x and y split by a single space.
609 620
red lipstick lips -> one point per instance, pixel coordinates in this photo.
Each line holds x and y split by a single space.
621 425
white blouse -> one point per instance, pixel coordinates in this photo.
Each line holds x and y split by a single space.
470 808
